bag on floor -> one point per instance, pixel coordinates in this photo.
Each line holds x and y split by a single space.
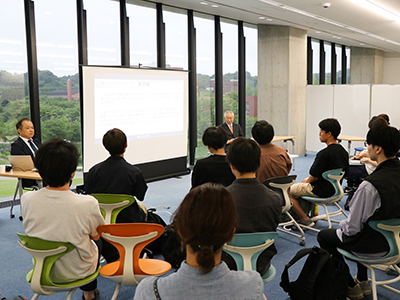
172 250
322 277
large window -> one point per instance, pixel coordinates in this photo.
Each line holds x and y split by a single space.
250 32
328 62
205 78
103 32
56 35
142 39
176 42
348 64
230 66
338 64
315 59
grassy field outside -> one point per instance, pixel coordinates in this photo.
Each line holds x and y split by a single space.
7 186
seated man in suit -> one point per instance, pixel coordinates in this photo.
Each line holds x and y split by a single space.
214 168
259 208
275 161
116 176
26 144
234 130
55 213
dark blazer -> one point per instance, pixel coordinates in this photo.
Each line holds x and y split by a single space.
237 131
19 147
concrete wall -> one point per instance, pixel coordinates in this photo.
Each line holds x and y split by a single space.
391 68
366 66
282 80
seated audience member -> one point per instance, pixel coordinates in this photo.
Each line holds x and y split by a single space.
275 161
116 176
259 208
26 144
375 199
57 214
205 221
334 156
214 168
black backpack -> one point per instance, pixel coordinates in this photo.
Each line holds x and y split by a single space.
323 277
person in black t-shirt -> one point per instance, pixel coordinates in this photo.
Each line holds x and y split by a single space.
214 168
334 156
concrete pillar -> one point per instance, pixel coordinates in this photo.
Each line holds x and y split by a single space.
282 81
366 66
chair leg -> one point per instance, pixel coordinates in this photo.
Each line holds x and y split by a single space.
265 298
13 201
70 293
35 297
116 292
341 209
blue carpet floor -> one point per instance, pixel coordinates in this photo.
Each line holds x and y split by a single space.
15 263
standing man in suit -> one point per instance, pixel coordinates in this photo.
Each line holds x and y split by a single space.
26 144
234 130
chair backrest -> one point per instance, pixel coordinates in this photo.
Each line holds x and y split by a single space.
334 177
45 253
112 204
391 231
281 185
245 248
130 239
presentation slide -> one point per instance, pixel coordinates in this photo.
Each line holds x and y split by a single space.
149 105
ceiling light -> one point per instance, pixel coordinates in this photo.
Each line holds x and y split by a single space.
318 32
261 18
269 20
362 44
379 9
204 3
214 5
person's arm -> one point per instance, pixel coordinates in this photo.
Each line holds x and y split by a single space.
196 176
141 187
365 202
369 161
310 179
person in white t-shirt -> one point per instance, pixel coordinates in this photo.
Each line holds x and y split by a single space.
56 213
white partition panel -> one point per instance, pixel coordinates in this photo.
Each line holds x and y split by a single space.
319 107
386 99
351 108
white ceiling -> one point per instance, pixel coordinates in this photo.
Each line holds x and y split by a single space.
377 31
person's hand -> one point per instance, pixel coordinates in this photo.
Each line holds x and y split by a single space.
305 180
230 141
362 154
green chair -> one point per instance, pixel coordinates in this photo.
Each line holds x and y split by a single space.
334 177
112 204
45 253
391 231
245 248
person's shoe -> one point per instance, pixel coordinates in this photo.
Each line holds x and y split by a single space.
355 293
96 295
365 286
307 222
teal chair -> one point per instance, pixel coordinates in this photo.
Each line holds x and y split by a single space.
45 253
112 204
334 177
245 248
281 185
391 231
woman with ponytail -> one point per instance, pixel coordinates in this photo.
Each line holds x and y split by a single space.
205 221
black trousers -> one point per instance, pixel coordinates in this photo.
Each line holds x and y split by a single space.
329 241
93 285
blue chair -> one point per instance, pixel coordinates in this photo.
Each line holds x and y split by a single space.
45 253
245 248
281 185
334 177
391 230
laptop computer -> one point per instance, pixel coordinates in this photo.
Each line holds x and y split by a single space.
21 162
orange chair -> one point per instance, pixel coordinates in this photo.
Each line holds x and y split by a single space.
130 239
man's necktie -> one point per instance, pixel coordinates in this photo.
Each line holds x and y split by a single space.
32 146
231 128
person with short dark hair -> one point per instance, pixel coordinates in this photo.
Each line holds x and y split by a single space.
375 199
275 161
55 213
234 130
259 208
214 168
334 156
26 144
205 221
